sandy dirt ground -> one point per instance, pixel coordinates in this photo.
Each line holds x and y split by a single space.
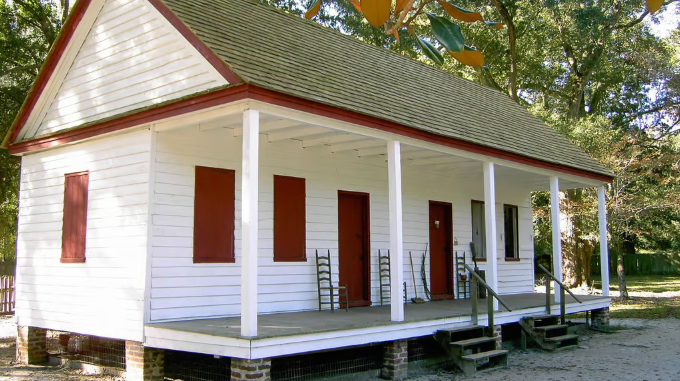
12 372
646 350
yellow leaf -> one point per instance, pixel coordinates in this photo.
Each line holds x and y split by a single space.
396 35
356 5
401 5
311 12
410 30
460 13
469 57
376 11
654 5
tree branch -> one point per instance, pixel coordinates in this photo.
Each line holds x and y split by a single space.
641 18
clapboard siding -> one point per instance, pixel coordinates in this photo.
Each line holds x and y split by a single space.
131 58
105 295
181 289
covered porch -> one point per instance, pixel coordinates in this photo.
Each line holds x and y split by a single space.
284 334
264 140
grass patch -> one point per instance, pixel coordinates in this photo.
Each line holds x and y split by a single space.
646 306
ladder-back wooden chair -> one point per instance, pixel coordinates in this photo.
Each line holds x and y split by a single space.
385 285
326 289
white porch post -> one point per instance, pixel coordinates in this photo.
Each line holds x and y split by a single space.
249 222
490 222
396 231
556 232
604 247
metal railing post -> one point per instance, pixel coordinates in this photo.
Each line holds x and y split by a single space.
563 305
490 314
548 302
474 294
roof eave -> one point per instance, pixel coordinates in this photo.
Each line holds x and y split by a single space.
242 91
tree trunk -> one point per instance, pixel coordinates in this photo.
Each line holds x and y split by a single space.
622 278
512 46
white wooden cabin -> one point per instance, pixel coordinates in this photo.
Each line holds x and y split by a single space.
138 96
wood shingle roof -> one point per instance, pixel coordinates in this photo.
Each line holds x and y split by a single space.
285 53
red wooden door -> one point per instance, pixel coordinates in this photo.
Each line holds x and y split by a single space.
353 242
441 259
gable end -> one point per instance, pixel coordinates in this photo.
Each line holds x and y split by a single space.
124 55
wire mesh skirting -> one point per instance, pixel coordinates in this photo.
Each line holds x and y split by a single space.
186 366
327 364
423 348
89 349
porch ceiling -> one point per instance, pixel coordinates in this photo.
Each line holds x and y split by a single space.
278 129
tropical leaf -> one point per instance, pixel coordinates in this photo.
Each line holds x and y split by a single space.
654 5
430 50
459 13
400 6
447 33
356 5
313 10
376 11
495 24
469 56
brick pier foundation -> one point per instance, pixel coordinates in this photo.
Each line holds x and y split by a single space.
600 318
143 364
31 345
251 370
395 360
498 334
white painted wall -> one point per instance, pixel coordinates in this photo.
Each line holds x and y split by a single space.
183 290
131 58
105 295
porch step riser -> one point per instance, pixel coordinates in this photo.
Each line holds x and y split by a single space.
471 349
550 337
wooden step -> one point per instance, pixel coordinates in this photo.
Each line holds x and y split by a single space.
485 355
463 329
542 317
473 342
559 339
551 327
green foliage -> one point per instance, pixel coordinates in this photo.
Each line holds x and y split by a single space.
27 29
447 33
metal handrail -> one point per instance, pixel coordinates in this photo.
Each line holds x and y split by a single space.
548 273
480 280
563 302
474 296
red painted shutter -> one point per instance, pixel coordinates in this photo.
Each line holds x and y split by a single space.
75 217
289 219
214 215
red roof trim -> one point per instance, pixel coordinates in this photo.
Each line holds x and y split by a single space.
244 91
169 110
208 54
272 97
50 64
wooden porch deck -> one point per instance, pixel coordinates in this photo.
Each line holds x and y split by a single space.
292 327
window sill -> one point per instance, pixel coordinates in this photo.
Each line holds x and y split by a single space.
512 259
304 259
212 260
481 259
72 260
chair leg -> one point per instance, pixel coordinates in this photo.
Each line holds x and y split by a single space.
346 300
332 300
